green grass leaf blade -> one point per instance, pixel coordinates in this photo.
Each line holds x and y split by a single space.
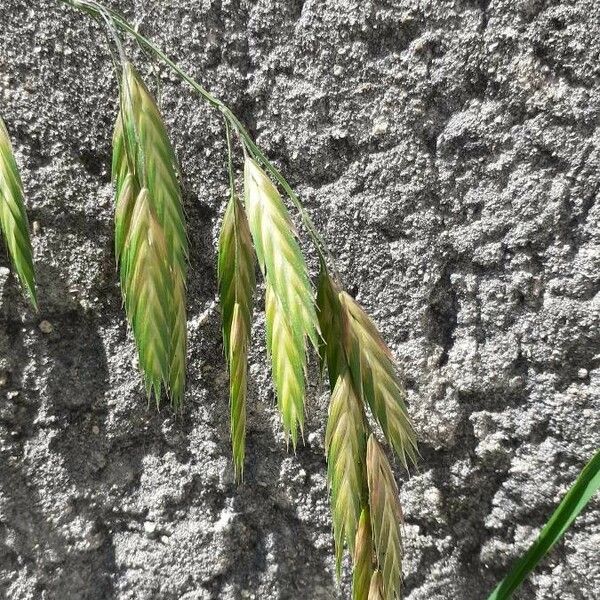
13 217
575 500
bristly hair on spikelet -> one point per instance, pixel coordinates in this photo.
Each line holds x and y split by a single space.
386 518
237 282
374 375
290 310
13 217
143 158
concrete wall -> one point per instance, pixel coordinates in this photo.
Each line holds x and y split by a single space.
449 152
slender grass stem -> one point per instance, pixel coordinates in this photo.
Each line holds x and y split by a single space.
96 9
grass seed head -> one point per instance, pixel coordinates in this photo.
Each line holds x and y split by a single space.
376 587
149 293
386 518
363 559
13 217
374 375
237 283
287 349
143 158
345 444
290 307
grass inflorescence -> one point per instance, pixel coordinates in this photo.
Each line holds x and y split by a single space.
13 217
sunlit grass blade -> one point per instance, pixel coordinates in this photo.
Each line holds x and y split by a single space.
345 443
374 374
386 517
290 302
237 282
149 293
363 559
13 217
151 161
575 500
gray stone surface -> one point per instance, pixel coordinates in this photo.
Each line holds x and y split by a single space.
449 151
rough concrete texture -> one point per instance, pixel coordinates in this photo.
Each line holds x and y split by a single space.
449 152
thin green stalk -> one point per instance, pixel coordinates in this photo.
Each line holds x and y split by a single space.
572 504
96 8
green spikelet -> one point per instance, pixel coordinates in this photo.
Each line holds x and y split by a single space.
286 348
290 312
143 151
363 558
374 375
386 517
126 191
237 282
148 295
13 218
331 321
345 443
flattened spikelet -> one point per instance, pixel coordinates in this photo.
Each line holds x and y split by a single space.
126 191
237 282
148 295
386 517
331 321
376 587
345 443
374 374
363 558
291 302
286 348
142 150
13 217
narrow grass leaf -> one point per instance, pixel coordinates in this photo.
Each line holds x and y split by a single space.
13 217
386 517
236 274
290 298
364 558
575 500
345 443
374 374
